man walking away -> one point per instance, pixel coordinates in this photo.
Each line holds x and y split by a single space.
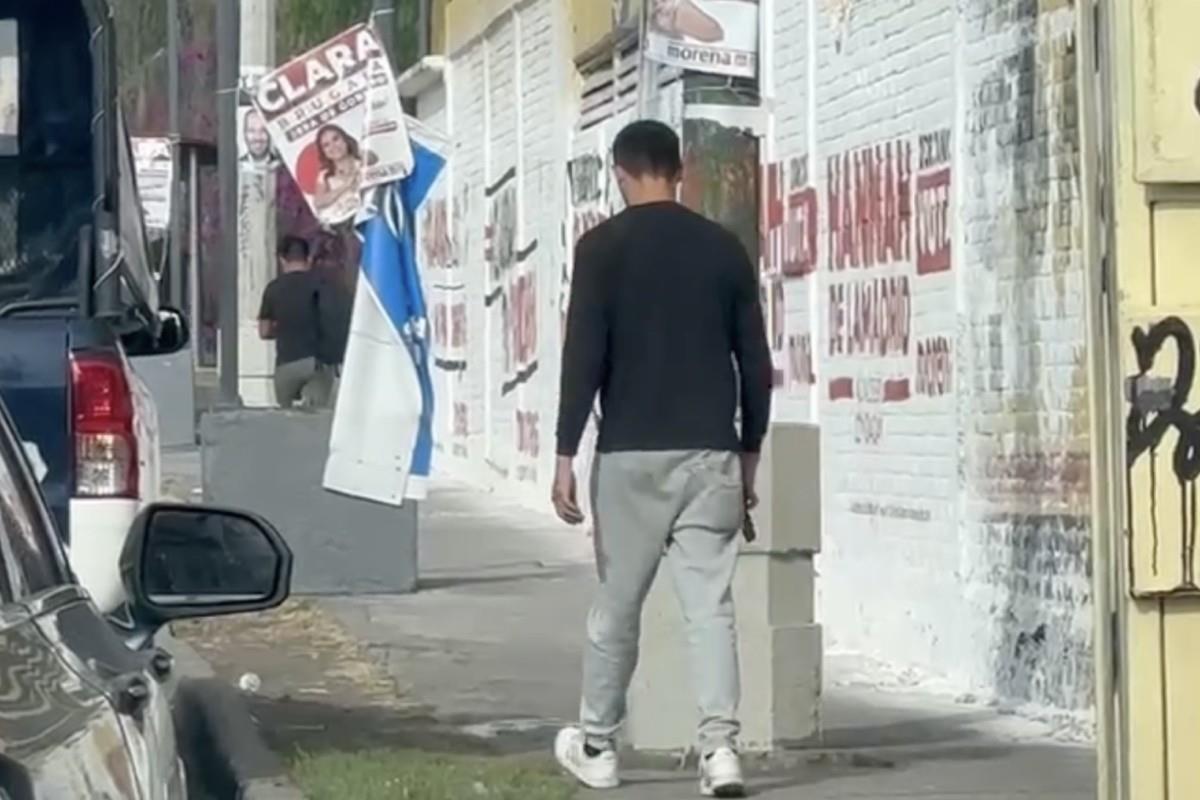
290 315
663 303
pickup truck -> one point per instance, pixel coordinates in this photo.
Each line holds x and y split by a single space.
77 294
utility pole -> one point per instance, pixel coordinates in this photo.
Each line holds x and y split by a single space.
227 169
175 280
256 217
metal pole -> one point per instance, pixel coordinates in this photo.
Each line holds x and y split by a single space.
228 52
424 30
175 277
193 228
383 18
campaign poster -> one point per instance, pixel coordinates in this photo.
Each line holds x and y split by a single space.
717 36
335 119
10 88
154 166
256 153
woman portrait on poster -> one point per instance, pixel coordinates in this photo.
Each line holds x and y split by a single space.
340 178
687 19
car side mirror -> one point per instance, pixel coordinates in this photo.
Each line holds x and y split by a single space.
173 335
185 561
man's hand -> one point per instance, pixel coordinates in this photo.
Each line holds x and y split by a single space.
749 478
566 503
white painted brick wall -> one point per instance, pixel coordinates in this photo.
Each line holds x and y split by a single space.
468 91
506 112
956 544
885 77
1023 379
991 591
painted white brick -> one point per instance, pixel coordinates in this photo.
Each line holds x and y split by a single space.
955 525
894 587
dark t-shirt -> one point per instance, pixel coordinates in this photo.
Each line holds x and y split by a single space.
291 302
666 324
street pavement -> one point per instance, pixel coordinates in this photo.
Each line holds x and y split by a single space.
491 644
485 659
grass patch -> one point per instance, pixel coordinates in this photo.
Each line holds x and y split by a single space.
392 775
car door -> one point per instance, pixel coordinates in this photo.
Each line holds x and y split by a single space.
94 660
59 737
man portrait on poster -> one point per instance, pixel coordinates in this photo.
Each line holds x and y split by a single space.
256 154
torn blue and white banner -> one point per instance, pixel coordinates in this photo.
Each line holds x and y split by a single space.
381 445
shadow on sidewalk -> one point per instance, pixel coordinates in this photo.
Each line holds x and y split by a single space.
464 580
301 726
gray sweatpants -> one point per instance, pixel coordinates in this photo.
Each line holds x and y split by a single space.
304 381
688 507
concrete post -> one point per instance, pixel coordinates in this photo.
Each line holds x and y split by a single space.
256 220
779 641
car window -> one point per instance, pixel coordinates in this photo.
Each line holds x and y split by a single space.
136 263
25 529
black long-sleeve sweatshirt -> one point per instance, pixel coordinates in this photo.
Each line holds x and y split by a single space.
665 323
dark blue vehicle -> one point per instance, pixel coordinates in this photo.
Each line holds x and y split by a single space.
77 295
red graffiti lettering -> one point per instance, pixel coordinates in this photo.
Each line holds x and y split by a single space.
527 434
458 325
869 196
520 321
440 326
800 237
870 318
800 361
934 367
789 230
841 389
585 220
933 222
777 314
437 249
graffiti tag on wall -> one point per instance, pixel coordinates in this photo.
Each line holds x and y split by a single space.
512 285
591 200
789 215
1164 552
441 262
933 203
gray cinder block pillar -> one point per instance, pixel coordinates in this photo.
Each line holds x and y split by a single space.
780 643
271 463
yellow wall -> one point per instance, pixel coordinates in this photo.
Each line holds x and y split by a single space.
437 26
466 19
1157 237
591 21
455 22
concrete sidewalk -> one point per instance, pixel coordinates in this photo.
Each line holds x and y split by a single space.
491 647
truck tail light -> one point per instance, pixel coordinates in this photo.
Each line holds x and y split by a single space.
102 413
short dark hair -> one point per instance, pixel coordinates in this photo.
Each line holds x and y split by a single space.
293 248
647 147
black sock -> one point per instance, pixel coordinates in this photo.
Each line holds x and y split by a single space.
591 752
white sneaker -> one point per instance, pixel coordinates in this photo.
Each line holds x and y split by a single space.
595 772
721 774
